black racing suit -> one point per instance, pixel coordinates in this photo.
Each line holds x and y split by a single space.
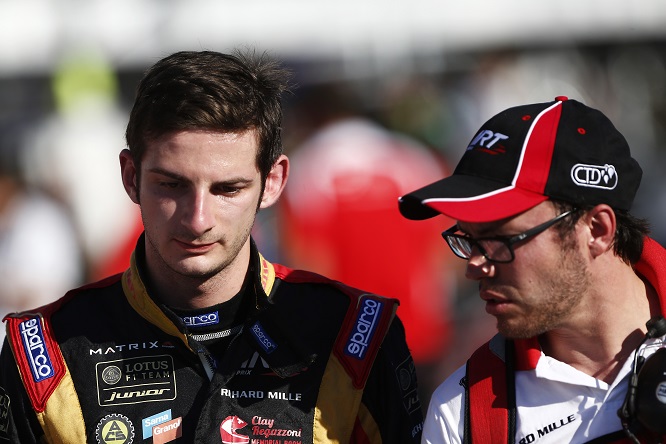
314 361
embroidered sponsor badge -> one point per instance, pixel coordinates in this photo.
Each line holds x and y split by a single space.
4 415
262 338
594 176
39 360
660 392
115 429
132 346
255 365
406 374
485 140
148 423
168 431
111 374
136 380
259 429
202 320
364 328
228 431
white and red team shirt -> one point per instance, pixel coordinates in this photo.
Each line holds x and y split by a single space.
555 403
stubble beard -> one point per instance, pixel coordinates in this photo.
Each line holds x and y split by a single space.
561 293
200 277
196 277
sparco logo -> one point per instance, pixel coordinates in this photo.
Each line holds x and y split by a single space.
202 319
365 327
264 340
38 356
594 176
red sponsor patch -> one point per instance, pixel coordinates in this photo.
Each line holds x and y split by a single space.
168 431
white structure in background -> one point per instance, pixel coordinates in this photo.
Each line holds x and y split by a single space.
135 33
74 154
40 258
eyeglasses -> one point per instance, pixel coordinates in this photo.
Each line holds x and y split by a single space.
498 248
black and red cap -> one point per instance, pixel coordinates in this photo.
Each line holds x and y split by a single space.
527 154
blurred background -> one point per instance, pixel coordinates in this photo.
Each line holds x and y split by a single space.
388 95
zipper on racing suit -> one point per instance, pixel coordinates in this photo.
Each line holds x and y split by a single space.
207 359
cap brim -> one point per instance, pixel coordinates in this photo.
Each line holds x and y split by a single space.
469 199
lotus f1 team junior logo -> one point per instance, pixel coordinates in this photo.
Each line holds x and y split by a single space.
228 431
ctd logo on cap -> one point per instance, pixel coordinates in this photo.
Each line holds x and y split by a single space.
594 176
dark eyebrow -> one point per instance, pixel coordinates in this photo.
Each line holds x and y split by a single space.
482 232
176 176
167 173
485 232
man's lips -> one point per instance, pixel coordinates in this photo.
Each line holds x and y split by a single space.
491 296
195 247
496 304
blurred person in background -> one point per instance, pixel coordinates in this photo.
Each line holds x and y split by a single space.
69 153
202 339
338 217
40 251
541 197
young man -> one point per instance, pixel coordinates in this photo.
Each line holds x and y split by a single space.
202 339
541 197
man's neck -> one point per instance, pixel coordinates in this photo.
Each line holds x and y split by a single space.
607 327
190 292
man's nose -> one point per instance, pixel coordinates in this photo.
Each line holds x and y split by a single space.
478 266
198 217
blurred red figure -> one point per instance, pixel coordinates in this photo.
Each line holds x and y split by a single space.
118 260
339 216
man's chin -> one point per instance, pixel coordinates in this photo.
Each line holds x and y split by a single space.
195 269
516 331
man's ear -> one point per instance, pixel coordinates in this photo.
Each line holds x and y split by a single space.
275 182
601 223
129 175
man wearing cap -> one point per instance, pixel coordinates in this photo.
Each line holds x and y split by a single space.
541 197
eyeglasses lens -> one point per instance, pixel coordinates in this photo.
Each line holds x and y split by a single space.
496 250
461 247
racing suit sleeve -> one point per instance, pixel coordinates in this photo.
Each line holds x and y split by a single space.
390 407
18 421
